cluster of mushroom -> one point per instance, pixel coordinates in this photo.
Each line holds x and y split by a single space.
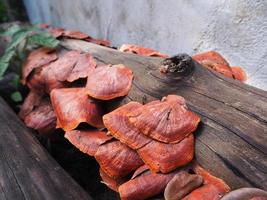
210 59
142 150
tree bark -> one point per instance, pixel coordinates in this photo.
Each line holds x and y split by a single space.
27 171
231 141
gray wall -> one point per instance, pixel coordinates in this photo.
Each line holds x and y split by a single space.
235 28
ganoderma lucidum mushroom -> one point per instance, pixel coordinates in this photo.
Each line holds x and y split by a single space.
109 81
37 113
246 194
144 185
72 106
131 48
36 59
167 121
182 184
215 61
87 141
69 67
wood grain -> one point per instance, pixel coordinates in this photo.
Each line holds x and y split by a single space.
26 170
231 141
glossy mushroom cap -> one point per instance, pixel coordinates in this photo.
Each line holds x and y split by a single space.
182 184
167 121
213 188
37 58
239 74
37 113
212 56
69 67
109 81
164 158
111 182
118 125
246 193
117 160
131 48
144 185
72 106
87 141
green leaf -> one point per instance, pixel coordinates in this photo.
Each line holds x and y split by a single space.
5 60
17 38
15 81
16 96
43 39
10 31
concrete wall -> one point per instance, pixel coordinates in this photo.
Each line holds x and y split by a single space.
235 28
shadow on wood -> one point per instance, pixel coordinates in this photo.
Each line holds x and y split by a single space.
232 139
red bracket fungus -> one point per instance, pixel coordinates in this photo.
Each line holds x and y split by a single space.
87 141
164 158
215 61
111 182
117 160
145 185
109 81
118 125
167 121
73 106
37 113
246 194
131 48
182 184
213 188
37 58
69 67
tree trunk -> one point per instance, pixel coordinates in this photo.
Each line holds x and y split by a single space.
231 141
26 170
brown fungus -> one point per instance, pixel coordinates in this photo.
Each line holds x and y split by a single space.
117 160
182 184
109 81
73 106
167 121
87 141
118 125
37 58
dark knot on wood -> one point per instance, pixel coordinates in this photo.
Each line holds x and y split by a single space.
180 64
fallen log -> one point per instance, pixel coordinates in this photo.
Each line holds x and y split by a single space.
27 171
231 141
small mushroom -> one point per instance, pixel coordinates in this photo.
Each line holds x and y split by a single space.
213 56
239 73
37 113
72 66
110 182
116 159
118 125
213 188
131 48
72 106
109 81
182 184
246 194
87 141
220 68
162 157
144 185
167 121
102 42
37 58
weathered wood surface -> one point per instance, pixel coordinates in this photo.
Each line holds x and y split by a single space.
231 141
26 170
